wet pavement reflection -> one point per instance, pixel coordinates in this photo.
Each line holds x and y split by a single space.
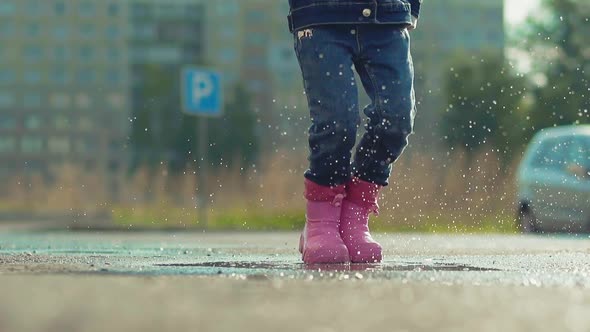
359 267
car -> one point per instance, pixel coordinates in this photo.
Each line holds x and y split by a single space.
553 181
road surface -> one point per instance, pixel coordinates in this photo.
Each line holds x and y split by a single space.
75 281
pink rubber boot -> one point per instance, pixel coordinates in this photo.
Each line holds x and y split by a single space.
360 201
320 241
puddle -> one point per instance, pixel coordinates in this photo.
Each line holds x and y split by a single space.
386 266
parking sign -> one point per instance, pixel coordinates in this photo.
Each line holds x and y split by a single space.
201 92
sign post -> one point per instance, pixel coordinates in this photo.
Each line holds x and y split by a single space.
202 97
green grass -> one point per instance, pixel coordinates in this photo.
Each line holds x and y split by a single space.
448 225
164 217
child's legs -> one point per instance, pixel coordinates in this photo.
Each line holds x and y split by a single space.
386 70
325 57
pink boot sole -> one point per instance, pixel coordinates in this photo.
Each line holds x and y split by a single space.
334 255
366 253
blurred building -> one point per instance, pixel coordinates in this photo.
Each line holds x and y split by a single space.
290 102
63 85
249 41
165 36
246 40
72 72
224 38
165 32
446 28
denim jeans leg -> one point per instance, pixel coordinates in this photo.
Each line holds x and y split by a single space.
325 57
385 67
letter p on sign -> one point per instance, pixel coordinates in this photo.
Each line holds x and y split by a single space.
201 92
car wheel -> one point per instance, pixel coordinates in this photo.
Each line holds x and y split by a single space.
527 223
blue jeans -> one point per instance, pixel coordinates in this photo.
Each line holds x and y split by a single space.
380 54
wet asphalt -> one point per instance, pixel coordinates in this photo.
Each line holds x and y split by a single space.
535 282
548 260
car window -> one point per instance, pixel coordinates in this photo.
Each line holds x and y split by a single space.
552 154
580 152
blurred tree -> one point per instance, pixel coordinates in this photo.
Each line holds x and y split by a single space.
161 134
236 143
557 42
156 117
486 104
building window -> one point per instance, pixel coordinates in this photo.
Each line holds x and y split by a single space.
32 100
256 16
82 100
144 31
59 100
140 10
87 9
81 147
113 77
113 54
6 76
256 39
85 124
169 11
86 76
61 53
7 8
60 76
32 77
163 54
6 99
7 144
7 122
61 32
113 9
227 55
32 53
228 32
192 53
31 144
86 52
6 29
60 8
255 62
225 8
112 32
116 100
59 145
33 30
34 7
84 146
32 122
62 122
87 31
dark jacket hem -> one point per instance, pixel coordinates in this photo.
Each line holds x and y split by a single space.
318 13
